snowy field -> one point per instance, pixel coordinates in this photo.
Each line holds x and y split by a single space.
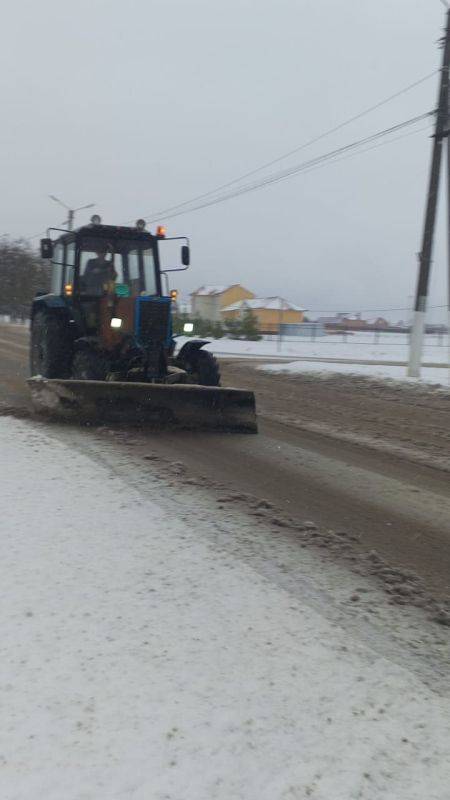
140 661
386 354
6 319
388 351
357 346
432 375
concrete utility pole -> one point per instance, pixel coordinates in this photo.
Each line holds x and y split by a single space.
425 255
70 211
448 237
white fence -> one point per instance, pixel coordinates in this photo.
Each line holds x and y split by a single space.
361 338
7 319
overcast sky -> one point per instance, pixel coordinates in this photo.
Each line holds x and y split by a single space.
143 104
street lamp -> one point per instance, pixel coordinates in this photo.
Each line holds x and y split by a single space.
71 211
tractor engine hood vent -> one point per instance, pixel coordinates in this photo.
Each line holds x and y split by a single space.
152 320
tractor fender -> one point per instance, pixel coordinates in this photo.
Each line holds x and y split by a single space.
193 346
88 343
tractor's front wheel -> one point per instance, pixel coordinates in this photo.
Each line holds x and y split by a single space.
50 349
88 365
203 369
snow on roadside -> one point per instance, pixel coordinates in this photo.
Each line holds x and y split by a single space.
137 661
6 319
436 376
355 346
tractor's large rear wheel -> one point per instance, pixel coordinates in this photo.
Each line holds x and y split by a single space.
88 365
50 350
203 369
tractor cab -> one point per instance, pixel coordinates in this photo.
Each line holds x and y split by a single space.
113 275
104 273
100 259
106 297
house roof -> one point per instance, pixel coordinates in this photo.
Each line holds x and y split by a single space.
340 318
216 289
329 320
373 320
270 303
209 290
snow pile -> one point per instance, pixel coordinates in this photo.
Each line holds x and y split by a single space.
434 375
139 662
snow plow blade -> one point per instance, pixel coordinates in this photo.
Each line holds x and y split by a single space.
179 405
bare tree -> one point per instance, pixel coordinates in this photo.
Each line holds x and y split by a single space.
22 274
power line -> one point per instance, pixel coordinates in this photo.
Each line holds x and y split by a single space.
305 167
302 167
297 149
363 310
306 144
365 150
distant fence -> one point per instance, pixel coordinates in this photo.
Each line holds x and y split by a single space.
11 319
357 339
309 330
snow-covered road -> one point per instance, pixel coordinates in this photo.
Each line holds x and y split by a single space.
141 660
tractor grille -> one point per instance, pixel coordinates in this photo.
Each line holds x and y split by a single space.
152 320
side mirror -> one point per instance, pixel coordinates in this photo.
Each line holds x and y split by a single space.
185 255
46 248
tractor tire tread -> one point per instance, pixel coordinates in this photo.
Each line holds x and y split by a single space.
206 368
50 349
89 365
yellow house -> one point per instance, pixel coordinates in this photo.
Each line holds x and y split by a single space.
271 312
209 301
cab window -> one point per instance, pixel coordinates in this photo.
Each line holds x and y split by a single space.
149 271
57 268
134 277
133 265
69 264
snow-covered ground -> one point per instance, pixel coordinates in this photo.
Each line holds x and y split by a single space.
6 319
433 375
323 355
356 346
351 347
140 660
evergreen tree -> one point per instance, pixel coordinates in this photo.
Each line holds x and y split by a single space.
249 326
202 327
244 327
233 328
178 322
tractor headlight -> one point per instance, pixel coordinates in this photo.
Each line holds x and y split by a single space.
188 327
116 322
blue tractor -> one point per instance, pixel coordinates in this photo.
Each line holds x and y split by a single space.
101 341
